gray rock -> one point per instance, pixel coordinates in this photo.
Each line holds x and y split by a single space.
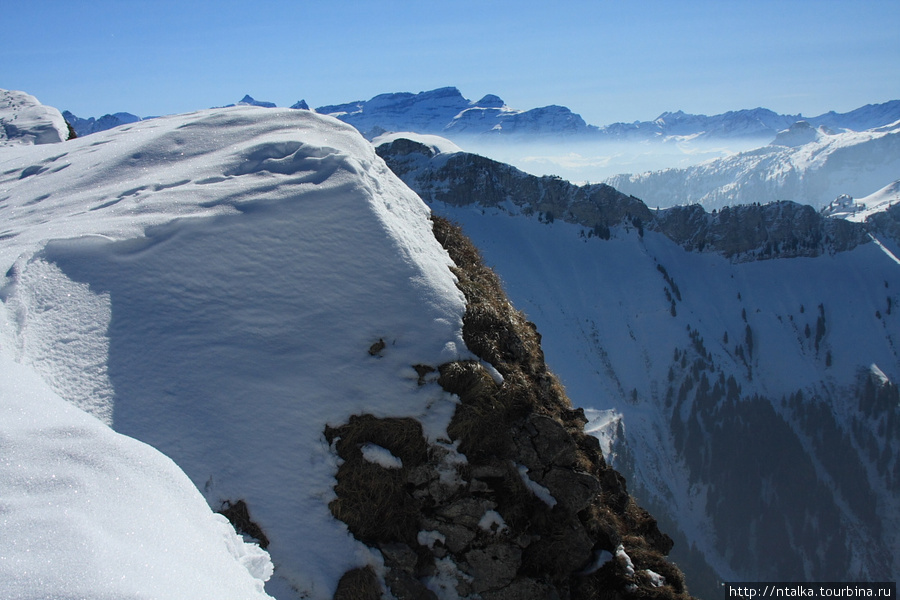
467 511
523 588
552 442
493 567
572 490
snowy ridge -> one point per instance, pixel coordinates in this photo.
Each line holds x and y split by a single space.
755 123
25 121
815 173
218 250
751 232
861 209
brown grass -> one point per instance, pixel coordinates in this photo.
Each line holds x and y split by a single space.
373 501
358 584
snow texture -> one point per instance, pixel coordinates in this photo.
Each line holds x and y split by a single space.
492 521
383 457
89 513
210 284
542 493
25 121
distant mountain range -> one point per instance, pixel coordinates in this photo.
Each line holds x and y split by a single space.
804 164
445 111
755 123
808 160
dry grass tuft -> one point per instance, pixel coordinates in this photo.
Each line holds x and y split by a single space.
238 514
358 584
402 436
373 501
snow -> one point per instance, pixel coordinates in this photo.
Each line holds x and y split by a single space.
543 494
438 144
210 284
444 581
656 579
25 121
875 202
87 512
374 453
624 560
884 248
601 557
603 424
429 538
492 521
815 173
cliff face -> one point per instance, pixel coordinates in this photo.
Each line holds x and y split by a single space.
533 512
887 223
750 232
754 232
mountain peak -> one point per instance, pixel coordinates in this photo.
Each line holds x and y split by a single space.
248 100
490 101
797 134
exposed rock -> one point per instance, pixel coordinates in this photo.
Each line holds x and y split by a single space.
493 567
522 587
886 222
400 562
573 490
238 514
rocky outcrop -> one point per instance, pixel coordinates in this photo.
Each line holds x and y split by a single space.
461 178
755 232
750 232
886 222
533 510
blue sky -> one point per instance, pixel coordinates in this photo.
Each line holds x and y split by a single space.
607 60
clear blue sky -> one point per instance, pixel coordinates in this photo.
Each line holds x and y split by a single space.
609 60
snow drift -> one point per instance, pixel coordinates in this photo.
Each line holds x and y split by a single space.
89 513
211 284
24 121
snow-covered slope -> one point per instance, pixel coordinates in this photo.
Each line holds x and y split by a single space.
861 209
741 402
24 120
211 284
815 173
751 395
89 513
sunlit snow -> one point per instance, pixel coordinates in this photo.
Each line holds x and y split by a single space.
210 284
